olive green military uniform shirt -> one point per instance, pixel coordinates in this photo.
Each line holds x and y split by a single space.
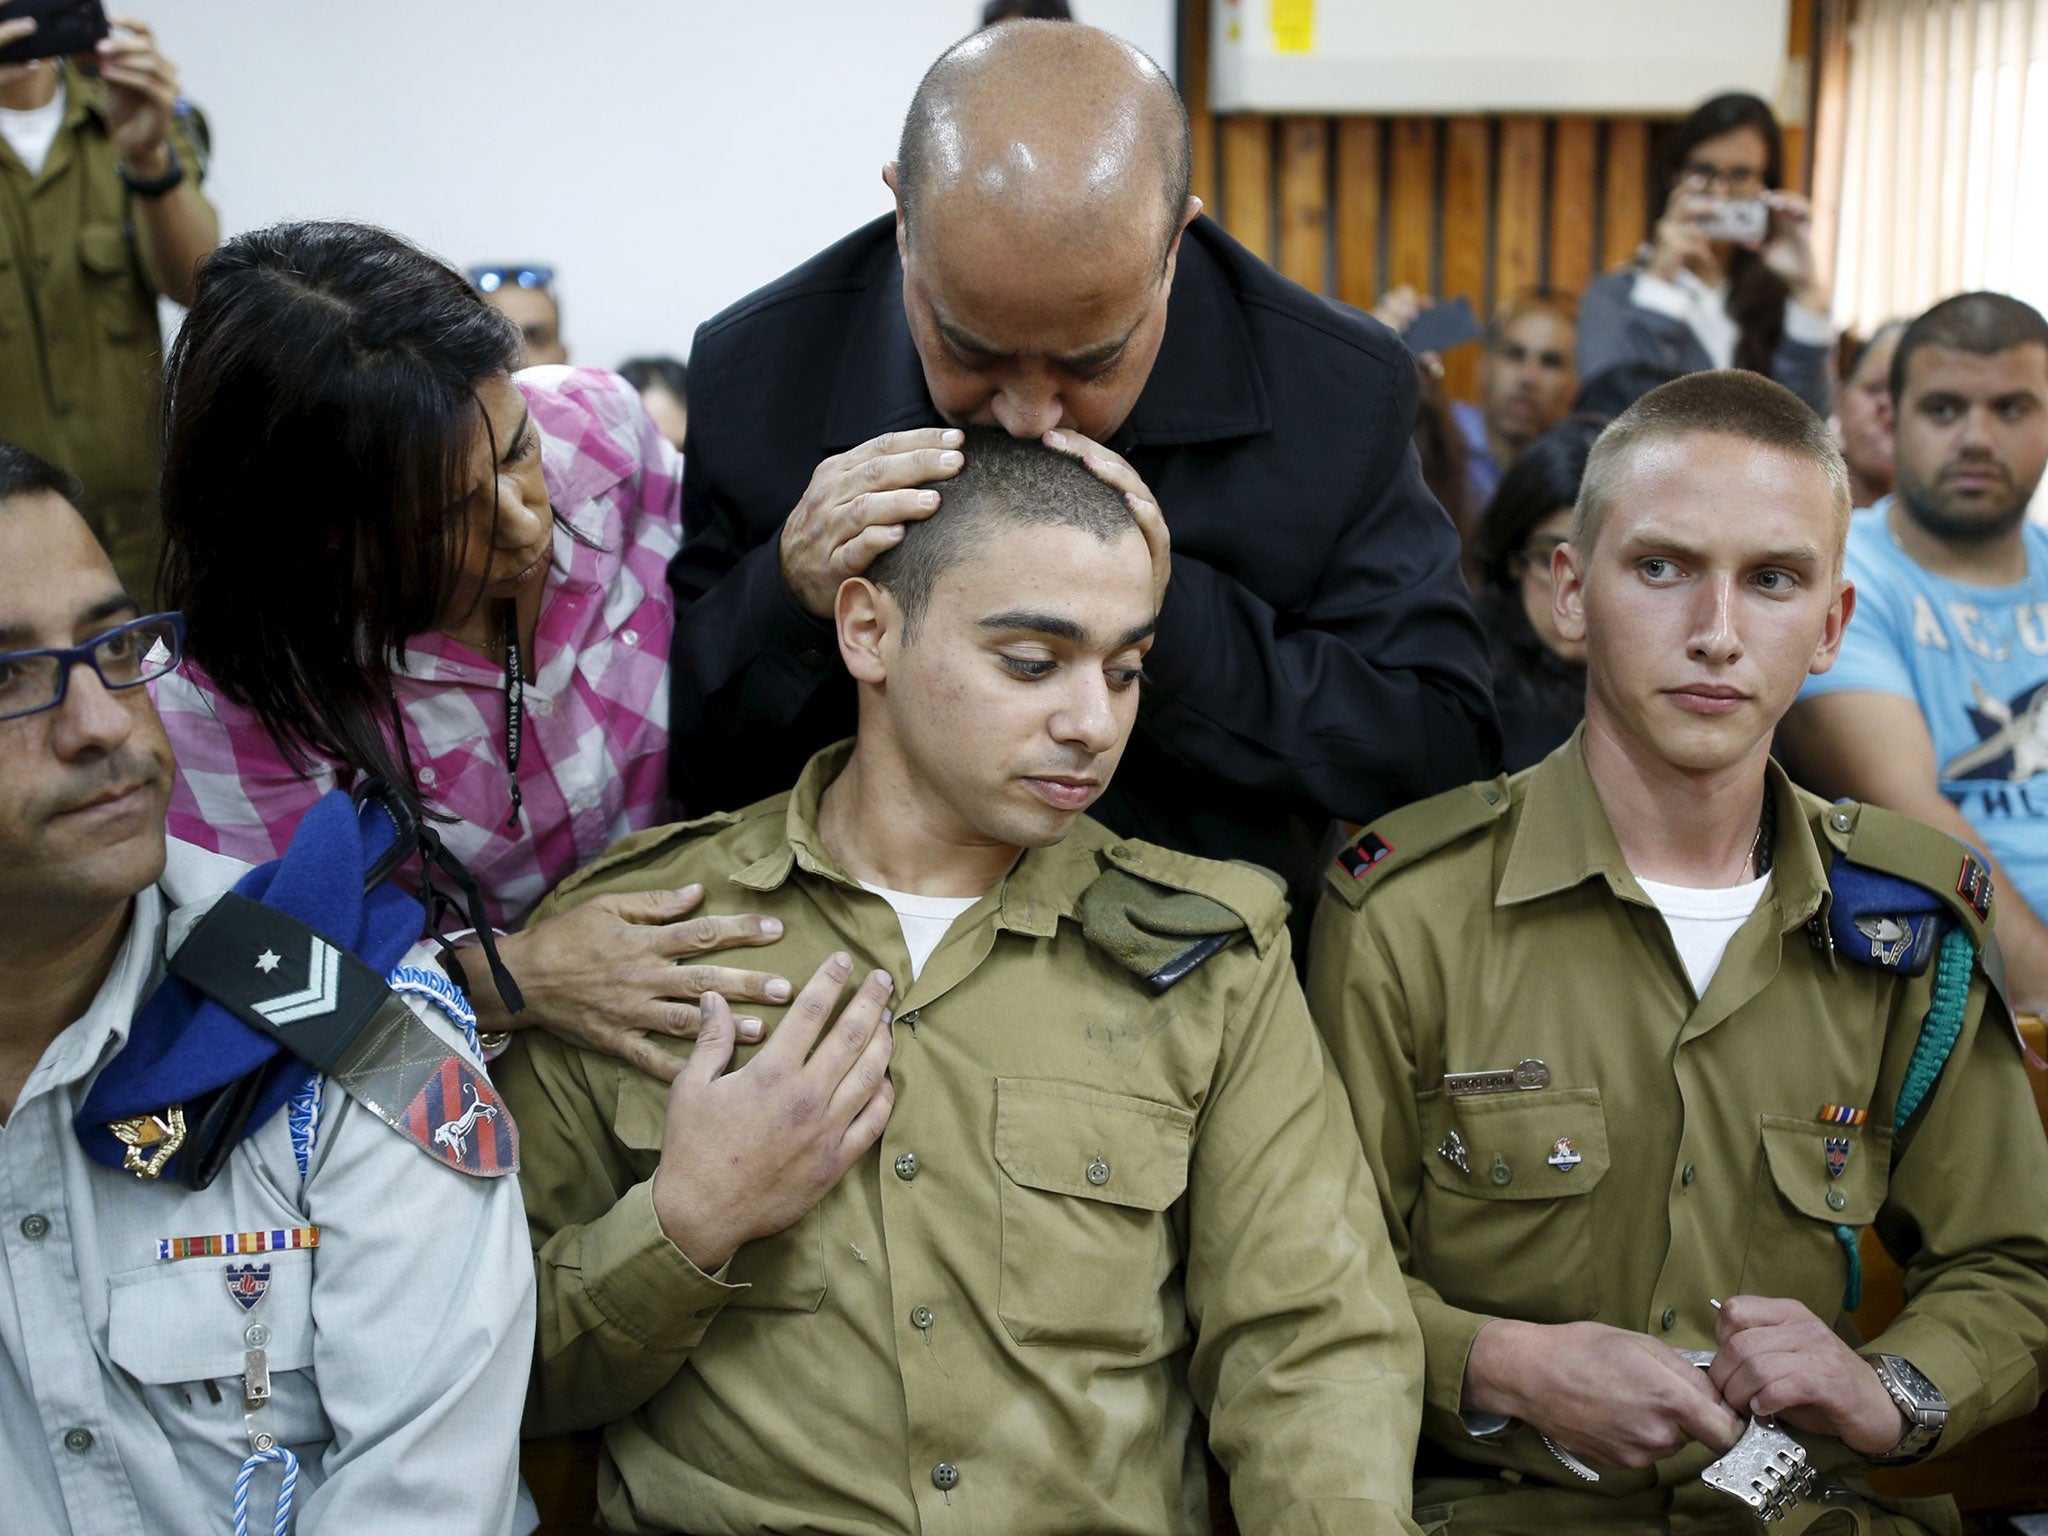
1499 924
81 353
1094 1210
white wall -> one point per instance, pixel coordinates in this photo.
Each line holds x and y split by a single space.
666 156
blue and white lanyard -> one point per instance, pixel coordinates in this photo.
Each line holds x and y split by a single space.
302 1114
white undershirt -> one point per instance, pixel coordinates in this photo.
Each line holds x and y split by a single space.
1703 921
30 134
924 920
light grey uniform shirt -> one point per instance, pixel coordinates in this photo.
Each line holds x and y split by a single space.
398 1349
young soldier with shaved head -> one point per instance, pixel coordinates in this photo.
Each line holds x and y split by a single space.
1640 1040
1067 1186
1046 272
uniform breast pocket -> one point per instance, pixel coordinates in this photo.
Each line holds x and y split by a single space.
1820 1177
1088 1178
1504 1211
108 267
184 1321
783 1273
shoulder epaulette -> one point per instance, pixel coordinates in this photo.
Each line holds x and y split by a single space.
1872 838
1923 873
1414 831
1161 914
639 846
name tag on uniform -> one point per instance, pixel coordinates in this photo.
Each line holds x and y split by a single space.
1522 1076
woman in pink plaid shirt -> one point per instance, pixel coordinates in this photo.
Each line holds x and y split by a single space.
396 559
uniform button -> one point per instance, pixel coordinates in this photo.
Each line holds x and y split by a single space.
912 1017
427 774
256 1336
630 636
1098 1172
945 1475
906 1166
1490 796
35 1228
1669 1319
78 1441
541 706
1836 1199
920 1318
1687 1176
1501 1173
1841 821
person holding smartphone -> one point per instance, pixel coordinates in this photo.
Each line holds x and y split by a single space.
1728 277
100 214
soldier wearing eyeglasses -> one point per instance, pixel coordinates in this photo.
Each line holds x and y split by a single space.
171 1360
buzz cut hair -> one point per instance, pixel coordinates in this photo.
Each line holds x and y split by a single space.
1982 324
1728 402
1005 482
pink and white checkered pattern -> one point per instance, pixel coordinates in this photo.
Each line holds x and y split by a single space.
595 762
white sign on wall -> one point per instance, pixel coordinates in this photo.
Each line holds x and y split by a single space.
1469 56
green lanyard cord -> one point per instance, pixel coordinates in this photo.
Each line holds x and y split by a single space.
1938 1033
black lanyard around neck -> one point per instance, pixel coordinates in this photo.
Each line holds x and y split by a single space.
515 707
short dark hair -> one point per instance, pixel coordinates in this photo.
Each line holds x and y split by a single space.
669 372
1175 147
1978 323
1729 402
25 474
1554 302
1891 329
1542 481
1006 482
320 413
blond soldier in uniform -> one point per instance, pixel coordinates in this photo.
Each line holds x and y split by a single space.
1106 1179
1640 1039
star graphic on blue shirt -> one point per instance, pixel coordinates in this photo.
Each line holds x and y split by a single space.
267 961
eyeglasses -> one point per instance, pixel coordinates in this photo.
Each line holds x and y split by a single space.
491 279
1736 180
139 651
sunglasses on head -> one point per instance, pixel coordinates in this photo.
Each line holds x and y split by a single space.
491 279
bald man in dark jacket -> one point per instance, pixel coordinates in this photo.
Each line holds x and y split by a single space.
1316 656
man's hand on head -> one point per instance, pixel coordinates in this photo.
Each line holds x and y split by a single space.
1777 1358
746 1154
1606 1394
855 508
1114 471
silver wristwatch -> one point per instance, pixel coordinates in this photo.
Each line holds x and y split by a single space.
1920 1400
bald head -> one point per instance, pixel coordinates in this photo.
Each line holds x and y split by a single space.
1047 125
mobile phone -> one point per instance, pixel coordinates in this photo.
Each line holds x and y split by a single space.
1744 220
1442 326
63 27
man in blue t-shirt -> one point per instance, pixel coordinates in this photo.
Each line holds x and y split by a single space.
1938 706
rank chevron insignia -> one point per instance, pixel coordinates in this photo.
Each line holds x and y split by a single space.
317 997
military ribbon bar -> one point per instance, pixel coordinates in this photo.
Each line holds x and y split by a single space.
215 1245
1843 1114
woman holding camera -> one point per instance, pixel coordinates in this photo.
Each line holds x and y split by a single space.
1728 279
397 559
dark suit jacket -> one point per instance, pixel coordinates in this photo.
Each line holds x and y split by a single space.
1317 655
